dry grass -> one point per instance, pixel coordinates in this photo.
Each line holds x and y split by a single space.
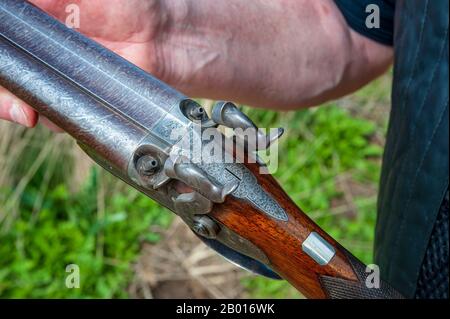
23 152
181 266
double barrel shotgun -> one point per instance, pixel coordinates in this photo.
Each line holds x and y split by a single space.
126 120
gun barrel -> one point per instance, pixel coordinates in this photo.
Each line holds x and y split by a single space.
84 117
98 97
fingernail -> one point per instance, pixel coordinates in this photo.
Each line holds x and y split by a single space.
18 114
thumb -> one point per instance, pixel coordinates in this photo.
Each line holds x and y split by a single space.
15 110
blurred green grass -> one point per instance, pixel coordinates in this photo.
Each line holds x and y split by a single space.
329 163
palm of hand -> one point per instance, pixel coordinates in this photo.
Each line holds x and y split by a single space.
129 27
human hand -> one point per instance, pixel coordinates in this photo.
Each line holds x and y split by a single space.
129 28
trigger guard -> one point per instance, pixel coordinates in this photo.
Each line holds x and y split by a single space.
240 260
188 204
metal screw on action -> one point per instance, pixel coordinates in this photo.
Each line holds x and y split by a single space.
147 165
206 227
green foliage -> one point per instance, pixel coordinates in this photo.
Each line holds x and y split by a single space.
35 252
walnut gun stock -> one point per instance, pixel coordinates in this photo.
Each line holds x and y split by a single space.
133 125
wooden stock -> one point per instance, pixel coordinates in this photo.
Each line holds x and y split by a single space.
281 241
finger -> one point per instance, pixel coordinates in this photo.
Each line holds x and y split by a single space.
15 110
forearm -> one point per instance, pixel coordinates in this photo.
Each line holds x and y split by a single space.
281 54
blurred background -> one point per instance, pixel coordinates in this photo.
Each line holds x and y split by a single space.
58 208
